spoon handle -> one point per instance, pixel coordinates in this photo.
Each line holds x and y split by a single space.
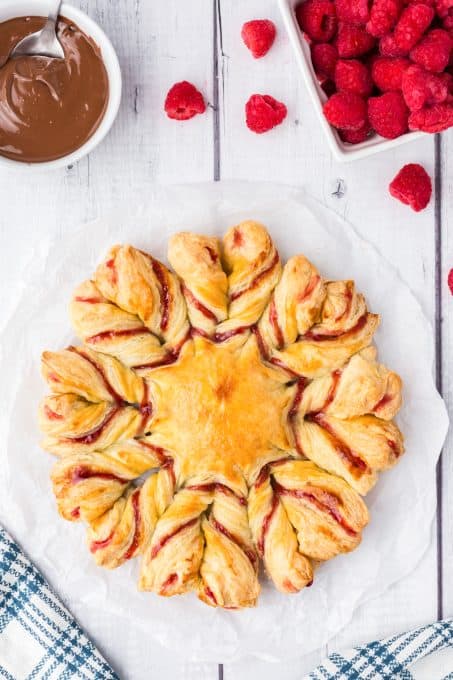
53 13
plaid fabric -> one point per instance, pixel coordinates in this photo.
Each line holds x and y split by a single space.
387 659
39 639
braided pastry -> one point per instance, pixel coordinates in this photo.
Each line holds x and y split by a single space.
230 412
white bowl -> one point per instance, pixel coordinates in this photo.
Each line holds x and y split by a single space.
341 150
9 9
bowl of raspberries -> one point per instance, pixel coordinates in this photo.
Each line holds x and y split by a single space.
380 72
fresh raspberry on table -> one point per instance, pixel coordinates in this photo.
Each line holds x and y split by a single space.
353 41
387 72
318 19
184 101
383 16
432 118
421 88
388 114
258 35
412 186
412 24
433 51
389 48
346 111
324 57
353 11
263 112
450 280
352 75
356 136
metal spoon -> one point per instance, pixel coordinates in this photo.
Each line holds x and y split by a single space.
44 42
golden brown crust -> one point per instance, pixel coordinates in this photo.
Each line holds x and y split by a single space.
230 412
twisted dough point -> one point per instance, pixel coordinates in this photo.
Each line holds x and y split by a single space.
92 376
362 386
122 532
143 286
197 261
254 268
212 554
73 425
300 513
355 448
295 306
109 329
345 327
87 484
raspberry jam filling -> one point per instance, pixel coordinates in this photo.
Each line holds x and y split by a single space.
95 434
319 337
99 545
266 524
324 501
170 581
212 487
234 539
88 300
81 472
273 320
256 281
136 537
357 466
192 300
109 335
52 415
170 358
315 279
155 550
386 399
165 296
110 389
110 264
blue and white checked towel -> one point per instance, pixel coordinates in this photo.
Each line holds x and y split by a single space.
388 659
39 639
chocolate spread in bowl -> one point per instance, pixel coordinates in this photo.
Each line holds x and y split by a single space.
49 107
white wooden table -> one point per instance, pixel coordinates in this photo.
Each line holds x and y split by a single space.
160 42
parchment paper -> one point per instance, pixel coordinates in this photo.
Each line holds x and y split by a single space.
402 505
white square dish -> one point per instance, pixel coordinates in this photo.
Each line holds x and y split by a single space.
341 150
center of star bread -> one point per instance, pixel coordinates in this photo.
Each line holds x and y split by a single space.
220 412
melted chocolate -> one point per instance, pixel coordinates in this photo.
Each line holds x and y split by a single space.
49 107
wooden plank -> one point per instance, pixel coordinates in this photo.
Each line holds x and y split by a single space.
445 325
296 153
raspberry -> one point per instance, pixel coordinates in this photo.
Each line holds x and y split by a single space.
432 118
353 11
356 136
387 72
258 35
421 88
450 280
412 186
433 51
263 112
383 16
353 41
388 114
353 76
324 57
389 48
345 110
318 19
413 22
184 101
443 8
